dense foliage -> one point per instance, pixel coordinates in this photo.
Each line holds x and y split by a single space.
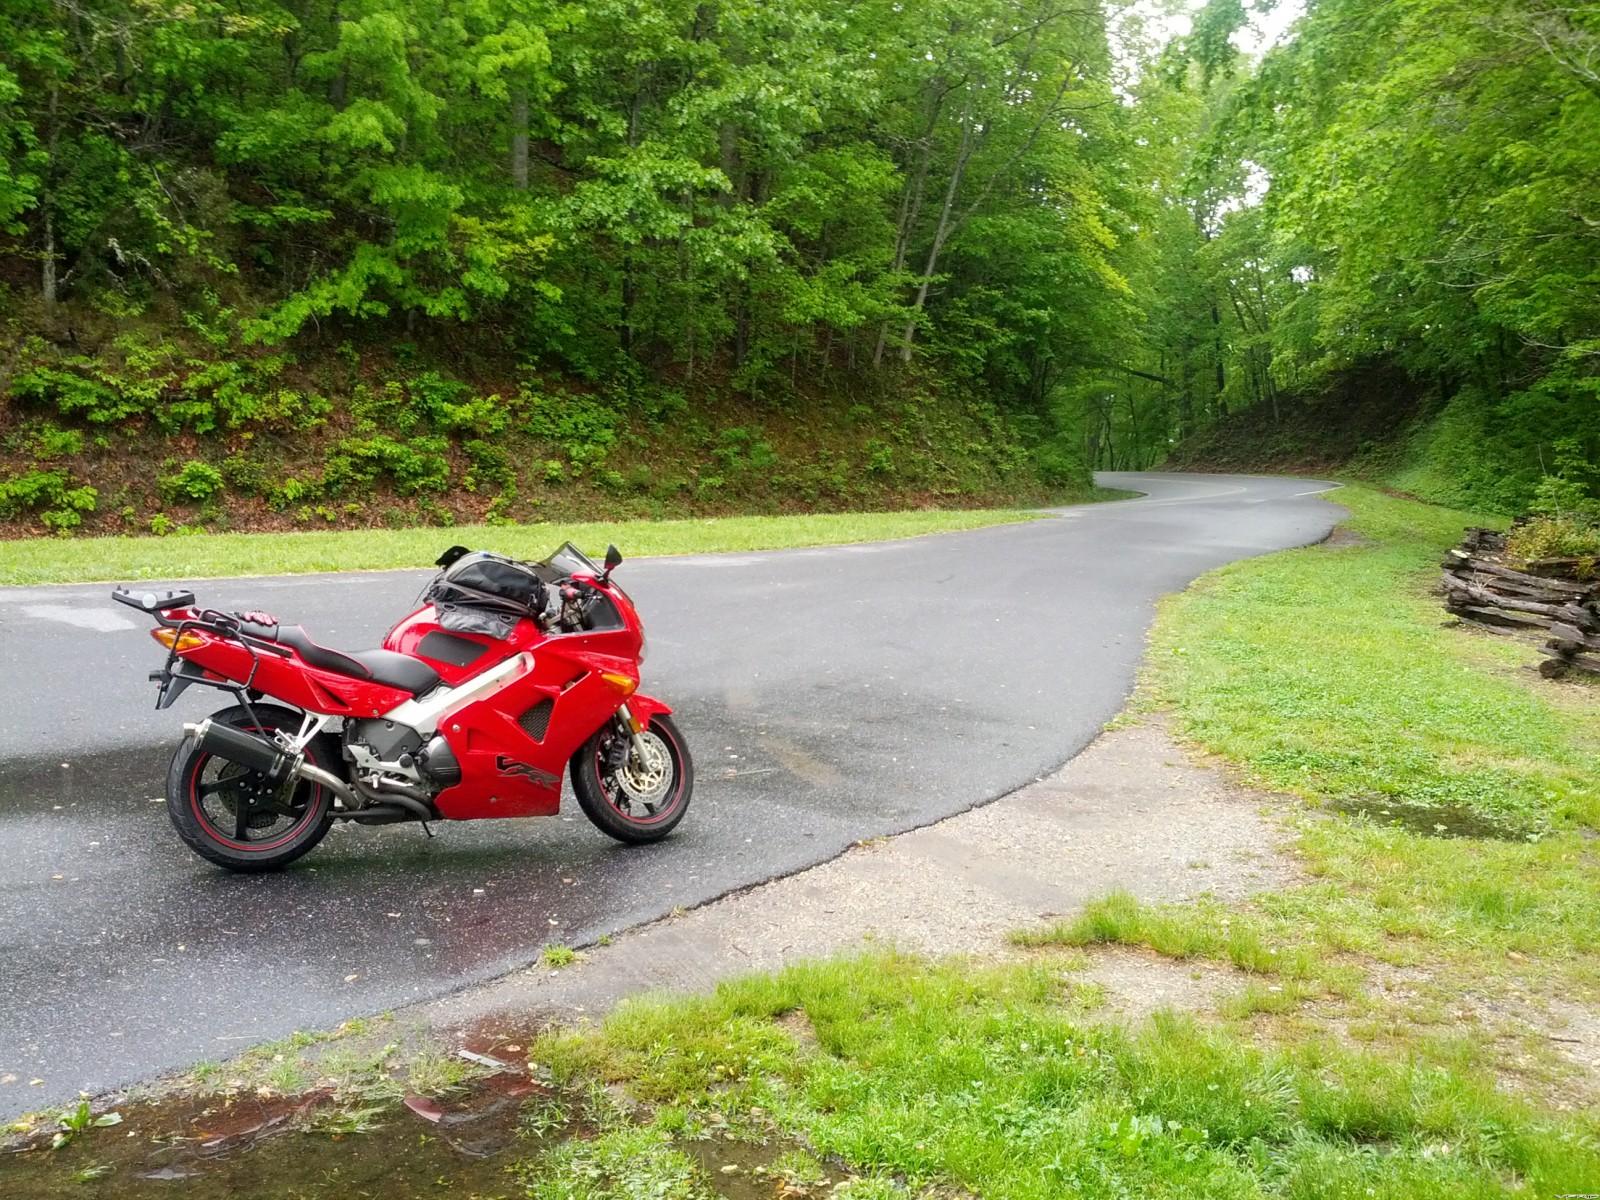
420 231
1406 192
387 260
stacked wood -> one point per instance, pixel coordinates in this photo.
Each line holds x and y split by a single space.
1538 596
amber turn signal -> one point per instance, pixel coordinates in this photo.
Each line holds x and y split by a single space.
625 684
173 640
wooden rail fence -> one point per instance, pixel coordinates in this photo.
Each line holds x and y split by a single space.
1543 595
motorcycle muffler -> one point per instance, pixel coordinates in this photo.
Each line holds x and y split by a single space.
280 768
248 750
270 759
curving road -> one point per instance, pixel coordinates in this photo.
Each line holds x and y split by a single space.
829 695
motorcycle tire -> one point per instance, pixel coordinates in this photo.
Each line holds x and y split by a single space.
624 802
217 805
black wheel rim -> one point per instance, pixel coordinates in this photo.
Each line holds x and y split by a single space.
238 809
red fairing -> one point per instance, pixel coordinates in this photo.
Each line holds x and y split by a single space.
467 654
292 679
508 771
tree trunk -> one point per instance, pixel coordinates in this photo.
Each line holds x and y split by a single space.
48 201
1186 392
1216 345
728 153
941 232
910 212
49 282
519 138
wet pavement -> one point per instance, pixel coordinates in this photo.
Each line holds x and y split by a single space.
829 695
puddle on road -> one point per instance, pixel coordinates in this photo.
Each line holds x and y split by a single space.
300 1148
1431 820
323 1146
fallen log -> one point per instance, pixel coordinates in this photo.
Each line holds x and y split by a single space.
1589 662
1483 597
1513 587
1571 633
1496 618
1458 560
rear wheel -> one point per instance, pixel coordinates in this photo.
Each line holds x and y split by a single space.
229 815
634 801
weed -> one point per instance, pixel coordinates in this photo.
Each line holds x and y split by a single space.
545 1115
342 1120
434 1072
287 1076
73 1122
558 956
623 1164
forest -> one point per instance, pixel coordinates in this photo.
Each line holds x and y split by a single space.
358 262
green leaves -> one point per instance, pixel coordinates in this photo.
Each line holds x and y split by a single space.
74 1121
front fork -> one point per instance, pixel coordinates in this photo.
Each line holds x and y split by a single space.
635 728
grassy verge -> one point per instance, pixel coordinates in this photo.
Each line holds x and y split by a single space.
1001 1082
1329 673
1333 674
211 555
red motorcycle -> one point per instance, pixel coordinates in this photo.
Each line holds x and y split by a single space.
509 672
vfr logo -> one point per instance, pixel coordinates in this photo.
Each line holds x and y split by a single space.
522 770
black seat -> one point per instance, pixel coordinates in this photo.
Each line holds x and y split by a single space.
381 666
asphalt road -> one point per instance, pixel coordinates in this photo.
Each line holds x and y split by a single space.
828 695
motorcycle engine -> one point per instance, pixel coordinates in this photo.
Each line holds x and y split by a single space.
387 754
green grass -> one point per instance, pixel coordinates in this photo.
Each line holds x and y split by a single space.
212 555
1330 673
986 1079
1334 674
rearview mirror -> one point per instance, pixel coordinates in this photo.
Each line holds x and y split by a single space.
613 558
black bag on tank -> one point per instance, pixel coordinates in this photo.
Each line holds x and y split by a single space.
486 594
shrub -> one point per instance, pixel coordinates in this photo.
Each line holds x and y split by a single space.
60 506
290 492
741 452
452 408
490 464
51 442
585 429
1566 520
880 457
72 394
197 481
1568 536
419 465
244 475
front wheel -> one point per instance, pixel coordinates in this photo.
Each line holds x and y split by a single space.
226 812
631 800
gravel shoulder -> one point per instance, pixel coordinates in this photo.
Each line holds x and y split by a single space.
1133 811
